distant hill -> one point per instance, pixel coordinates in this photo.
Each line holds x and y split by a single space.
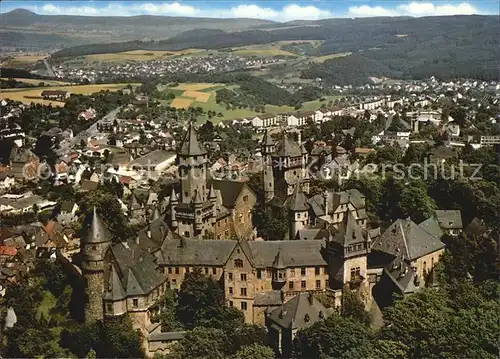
105 29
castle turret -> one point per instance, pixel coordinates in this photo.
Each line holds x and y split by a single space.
174 201
198 213
279 271
95 241
268 148
298 211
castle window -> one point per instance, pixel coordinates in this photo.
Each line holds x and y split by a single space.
206 270
238 263
243 305
174 282
245 198
318 284
169 270
425 266
259 274
230 276
109 307
302 272
176 270
186 234
317 271
243 292
303 284
243 277
135 303
292 272
231 290
231 303
214 271
186 194
290 285
355 273
226 233
218 224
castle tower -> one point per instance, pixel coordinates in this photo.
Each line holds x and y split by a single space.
198 206
289 167
347 250
192 163
94 244
298 212
268 149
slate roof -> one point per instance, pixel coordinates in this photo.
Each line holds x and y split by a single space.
449 219
94 229
267 139
195 252
153 158
136 269
403 276
286 147
115 289
190 145
407 238
268 298
229 190
349 231
298 201
430 225
300 312
294 253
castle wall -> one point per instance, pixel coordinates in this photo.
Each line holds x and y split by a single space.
425 263
94 293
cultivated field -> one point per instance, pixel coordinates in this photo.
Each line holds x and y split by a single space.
22 61
179 102
29 95
320 59
137 55
199 96
37 81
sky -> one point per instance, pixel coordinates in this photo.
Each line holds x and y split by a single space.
260 9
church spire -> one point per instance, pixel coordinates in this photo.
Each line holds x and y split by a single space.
190 145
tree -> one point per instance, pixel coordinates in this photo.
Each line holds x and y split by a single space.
255 351
166 307
416 203
108 208
201 343
330 338
201 302
270 225
353 307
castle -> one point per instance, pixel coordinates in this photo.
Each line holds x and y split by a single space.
330 247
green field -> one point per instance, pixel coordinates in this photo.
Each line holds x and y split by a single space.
314 105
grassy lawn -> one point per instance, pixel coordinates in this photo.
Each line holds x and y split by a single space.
48 302
314 105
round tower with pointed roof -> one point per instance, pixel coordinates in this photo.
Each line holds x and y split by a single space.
94 243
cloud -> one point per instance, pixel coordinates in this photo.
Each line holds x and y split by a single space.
415 9
286 13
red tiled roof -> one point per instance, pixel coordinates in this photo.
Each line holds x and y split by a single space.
8 251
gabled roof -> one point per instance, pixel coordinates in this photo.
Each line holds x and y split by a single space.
407 238
94 229
430 225
301 311
449 219
190 145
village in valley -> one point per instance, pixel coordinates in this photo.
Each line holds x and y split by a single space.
197 205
